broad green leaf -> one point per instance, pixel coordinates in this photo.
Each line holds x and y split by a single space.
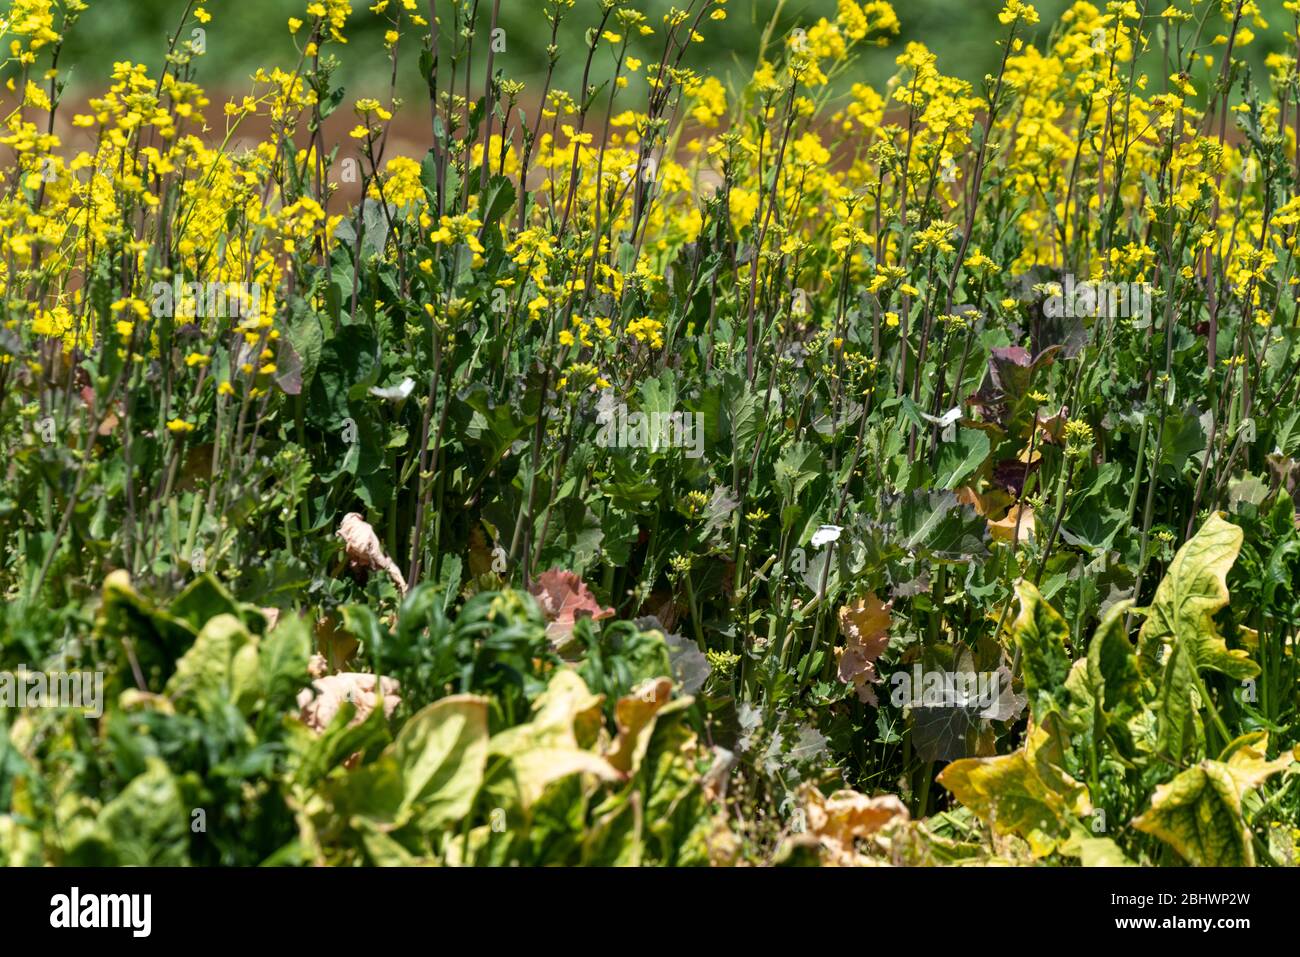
937 526
441 751
798 465
157 637
1198 814
567 719
1247 760
246 677
1112 663
497 200
1093 851
497 424
147 825
1080 700
202 600
19 846
320 754
1040 634
677 821
205 669
307 337
961 457
658 402
614 838
381 849
1177 700
746 417
1186 601
1180 628
282 660
346 361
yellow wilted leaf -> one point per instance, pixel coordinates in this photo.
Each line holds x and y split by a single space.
1198 814
635 715
1017 524
1024 793
985 503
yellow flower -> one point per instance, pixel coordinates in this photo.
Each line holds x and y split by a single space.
1017 11
647 330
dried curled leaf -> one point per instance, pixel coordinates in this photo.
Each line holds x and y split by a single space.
364 550
317 666
1051 428
565 598
838 821
321 702
865 626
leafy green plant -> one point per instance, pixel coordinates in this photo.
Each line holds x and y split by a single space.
1132 737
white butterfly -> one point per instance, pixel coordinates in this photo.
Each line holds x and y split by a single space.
826 534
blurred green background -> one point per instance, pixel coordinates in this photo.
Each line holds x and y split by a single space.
245 36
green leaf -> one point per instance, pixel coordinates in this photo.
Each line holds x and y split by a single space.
936 525
441 752
658 402
798 465
1180 628
307 337
320 754
1095 851
567 718
282 661
1112 664
205 669
614 837
1024 793
1187 599
348 360
1198 814
147 825
497 424
497 200
203 599
960 458
1041 634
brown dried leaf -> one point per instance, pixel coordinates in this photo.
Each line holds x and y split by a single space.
865 626
320 703
1051 428
364 550
838 821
